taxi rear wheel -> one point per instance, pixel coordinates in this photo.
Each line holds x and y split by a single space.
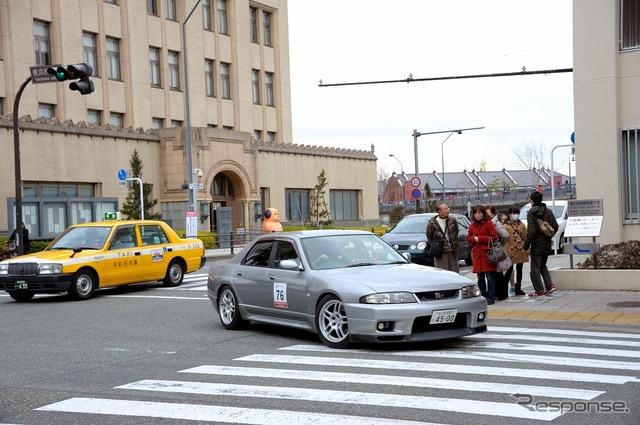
83 286
175 274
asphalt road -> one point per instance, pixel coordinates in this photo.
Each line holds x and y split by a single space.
150 355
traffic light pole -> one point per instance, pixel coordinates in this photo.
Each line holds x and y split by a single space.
18 174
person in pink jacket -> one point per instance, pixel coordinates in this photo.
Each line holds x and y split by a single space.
480 231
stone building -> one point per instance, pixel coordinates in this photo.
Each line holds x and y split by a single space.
237 66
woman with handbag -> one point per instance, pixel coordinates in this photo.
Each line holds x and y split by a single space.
481 231
502 284
517 233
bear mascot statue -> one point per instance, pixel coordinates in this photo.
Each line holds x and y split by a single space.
271 221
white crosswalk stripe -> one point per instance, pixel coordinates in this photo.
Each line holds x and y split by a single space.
481 376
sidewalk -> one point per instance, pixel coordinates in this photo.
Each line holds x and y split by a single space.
568 305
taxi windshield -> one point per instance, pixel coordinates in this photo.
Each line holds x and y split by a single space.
93 237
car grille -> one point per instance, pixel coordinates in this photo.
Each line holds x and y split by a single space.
421 324
23 269
437 295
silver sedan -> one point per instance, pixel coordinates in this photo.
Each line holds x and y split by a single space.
346 286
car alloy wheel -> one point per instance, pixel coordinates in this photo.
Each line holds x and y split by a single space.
332 323
228 310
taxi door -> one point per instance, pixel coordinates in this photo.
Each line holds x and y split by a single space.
156 252
123 257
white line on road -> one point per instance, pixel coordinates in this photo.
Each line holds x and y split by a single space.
563 332
206 413
440 368
558 339
345 397
403 381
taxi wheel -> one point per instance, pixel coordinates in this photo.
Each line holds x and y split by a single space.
21 296
175 274
228 310
331 323
83 286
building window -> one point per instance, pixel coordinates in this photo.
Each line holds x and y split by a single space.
631 175
157 123
268 87
257 135
296 204
253 15
266 25
223 186
206 15
111 1
271 136
174 71
116 119
629 24
225 80
152 7
41 42
171 10
222 17
154 66
255 86
176 123
344 205
45 110
89 51
93 116
208 78
113 59
1 106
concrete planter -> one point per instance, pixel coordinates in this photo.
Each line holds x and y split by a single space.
596 280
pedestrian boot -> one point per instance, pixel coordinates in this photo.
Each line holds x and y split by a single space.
519 289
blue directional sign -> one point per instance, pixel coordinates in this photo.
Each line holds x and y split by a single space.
122 175
581 248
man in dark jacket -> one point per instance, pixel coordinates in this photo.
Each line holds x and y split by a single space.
540 245
444 227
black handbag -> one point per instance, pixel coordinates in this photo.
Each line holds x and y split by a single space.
496 252
435 248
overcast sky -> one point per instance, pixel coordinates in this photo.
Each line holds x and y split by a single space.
340 41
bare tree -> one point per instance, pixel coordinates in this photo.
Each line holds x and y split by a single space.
532 155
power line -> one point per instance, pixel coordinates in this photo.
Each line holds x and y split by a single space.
410 79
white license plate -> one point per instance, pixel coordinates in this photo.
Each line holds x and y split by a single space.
443 316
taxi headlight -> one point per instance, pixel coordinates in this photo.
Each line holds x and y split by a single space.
50 268
470 291
389 298
4 268
421 246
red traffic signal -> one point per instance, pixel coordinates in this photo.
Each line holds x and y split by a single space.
80 70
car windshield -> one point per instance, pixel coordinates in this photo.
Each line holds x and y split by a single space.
340 251
411 225
82 238
557 210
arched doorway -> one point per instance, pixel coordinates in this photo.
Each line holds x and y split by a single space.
223 194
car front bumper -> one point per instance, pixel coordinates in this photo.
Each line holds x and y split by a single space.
410 322
45 284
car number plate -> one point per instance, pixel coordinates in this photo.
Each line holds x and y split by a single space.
21 284
443 316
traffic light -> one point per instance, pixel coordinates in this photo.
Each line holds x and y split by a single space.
80 71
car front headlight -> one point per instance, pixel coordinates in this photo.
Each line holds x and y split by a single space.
421 245
4 268
50 268
470 291
389 298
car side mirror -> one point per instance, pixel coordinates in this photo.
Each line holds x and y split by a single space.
290 265
407 256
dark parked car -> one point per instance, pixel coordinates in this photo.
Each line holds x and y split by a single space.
410 235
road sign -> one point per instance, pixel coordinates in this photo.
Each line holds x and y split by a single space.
111 215
581 248
415 193
415 181
122 174
39 74
198 186
584 207
123 183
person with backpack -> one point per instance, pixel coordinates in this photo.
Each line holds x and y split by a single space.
541 222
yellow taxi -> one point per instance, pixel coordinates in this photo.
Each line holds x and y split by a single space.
89 256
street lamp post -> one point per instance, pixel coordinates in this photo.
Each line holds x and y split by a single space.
417 134
402 180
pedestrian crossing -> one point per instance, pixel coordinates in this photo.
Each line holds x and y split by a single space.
475 379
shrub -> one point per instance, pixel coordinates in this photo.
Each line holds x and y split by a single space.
622 255
396 214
